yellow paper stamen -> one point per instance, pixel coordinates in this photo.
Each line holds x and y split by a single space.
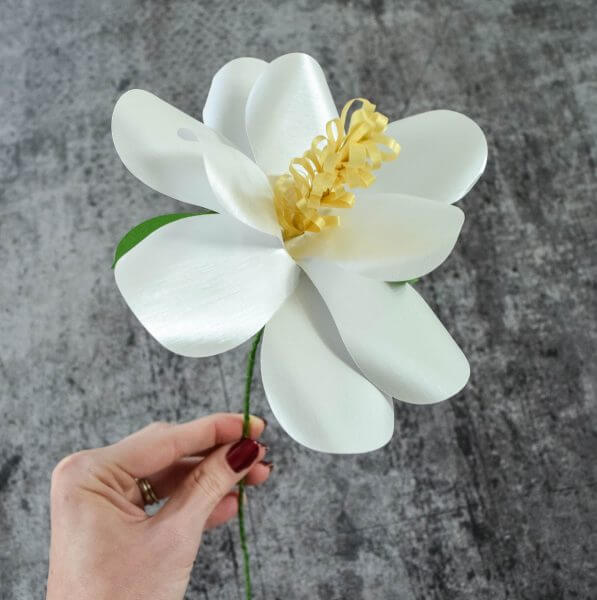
317 181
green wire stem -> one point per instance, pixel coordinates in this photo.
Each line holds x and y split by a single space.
241 486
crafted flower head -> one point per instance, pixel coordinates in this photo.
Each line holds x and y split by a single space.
315 216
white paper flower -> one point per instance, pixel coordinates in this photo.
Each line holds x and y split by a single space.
339 341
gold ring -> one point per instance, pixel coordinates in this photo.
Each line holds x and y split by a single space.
147 492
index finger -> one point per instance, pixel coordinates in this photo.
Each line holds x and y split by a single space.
159 445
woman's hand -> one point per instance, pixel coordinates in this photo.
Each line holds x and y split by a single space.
104 545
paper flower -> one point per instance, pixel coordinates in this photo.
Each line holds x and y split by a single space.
340 341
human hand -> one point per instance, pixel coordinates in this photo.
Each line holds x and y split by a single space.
103 543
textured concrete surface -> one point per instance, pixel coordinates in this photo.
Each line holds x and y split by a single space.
491 495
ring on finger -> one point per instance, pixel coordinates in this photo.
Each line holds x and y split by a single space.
147 492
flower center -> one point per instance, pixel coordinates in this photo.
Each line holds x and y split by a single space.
341 159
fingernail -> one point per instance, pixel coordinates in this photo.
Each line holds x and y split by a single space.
268 464
242 454
261 419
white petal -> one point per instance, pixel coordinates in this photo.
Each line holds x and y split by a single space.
205 284
442 155
313 387
224 108
391 237
392 335
163 147
242 188
288 106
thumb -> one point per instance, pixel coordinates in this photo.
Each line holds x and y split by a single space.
210 481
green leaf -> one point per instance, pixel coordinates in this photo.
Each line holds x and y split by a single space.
411 281
141 231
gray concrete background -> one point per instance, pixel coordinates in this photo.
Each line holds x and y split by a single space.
488 496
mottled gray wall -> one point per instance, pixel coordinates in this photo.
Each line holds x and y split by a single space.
488 496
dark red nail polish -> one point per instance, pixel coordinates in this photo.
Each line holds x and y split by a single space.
242 454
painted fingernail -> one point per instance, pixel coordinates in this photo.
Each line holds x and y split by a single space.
268 464
242 454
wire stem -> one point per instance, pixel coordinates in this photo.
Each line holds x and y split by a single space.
241 486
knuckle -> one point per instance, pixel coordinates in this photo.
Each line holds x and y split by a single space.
208 483
72 468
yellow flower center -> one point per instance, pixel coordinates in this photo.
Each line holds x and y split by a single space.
341 159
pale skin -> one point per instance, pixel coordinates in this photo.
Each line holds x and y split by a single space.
103 543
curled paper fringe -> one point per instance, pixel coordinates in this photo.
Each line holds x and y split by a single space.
338 160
